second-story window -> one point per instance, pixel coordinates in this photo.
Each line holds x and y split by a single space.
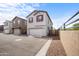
18 21
31 20
14 22
39 18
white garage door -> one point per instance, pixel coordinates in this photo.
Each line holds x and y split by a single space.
37 32
17 31
6 31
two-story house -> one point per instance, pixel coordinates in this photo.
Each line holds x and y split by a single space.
39 23
19 26
7 26
1 28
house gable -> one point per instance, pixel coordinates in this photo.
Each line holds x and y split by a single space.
17 18
35 12
18 22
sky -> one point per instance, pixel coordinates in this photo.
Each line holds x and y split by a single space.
58 12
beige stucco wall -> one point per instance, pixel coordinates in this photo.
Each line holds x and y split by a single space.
8 28
70 41
36 25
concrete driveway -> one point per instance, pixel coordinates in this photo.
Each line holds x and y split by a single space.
12 45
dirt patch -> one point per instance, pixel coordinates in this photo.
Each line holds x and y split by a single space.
56 48
55 38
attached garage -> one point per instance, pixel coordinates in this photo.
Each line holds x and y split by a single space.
37 32
17 31
6 31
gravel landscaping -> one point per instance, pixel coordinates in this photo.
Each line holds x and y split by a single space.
56 48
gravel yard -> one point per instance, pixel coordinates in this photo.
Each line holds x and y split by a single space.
56 48
12 45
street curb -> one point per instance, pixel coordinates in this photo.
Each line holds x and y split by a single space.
44 49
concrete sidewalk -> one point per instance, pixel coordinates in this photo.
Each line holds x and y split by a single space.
44 49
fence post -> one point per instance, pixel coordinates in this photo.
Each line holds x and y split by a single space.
64 26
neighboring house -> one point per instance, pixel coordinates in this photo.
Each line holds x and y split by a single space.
39 23
19 26
7 26
1 28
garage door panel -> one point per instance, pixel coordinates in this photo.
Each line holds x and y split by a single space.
38 32
17 31
6 31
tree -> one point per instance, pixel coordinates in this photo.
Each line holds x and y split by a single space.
76 26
